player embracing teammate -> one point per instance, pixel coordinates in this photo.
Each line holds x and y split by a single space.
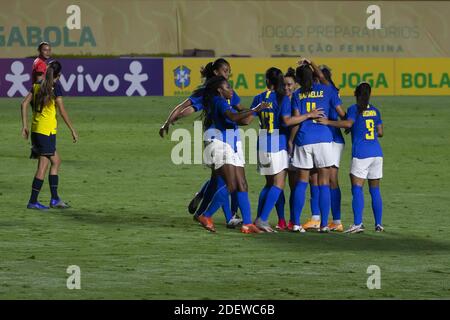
300 134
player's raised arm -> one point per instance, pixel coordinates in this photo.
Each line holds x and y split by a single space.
317 72
245 117
174 115
24 114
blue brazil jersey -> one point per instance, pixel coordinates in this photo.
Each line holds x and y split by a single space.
337 134
197 102
365 142
321 97
225 129
275 135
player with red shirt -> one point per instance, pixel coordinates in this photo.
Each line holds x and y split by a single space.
40 63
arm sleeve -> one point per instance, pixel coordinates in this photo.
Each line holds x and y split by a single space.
335 99
58 90
295 104
235 100
40 67
378 121
286 107
351 114
197 103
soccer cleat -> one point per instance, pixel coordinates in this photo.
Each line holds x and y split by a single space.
290 225
263 225
336 227
193 205
207 223
298 228
379 228
37 206
355 228
234 222
281 225
324 229
311 224
58 204
250 228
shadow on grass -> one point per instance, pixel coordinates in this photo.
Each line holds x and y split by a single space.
393 242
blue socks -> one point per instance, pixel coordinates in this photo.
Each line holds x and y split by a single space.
262 199
324 204
202 191
314 201
299 200
244 206
210 188
53 182
220 197
271 199
35 189
357 204
280 205
336 203
377 204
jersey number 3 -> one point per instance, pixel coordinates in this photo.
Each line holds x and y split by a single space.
267 121
370 125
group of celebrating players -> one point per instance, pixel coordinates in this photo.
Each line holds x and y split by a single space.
300 116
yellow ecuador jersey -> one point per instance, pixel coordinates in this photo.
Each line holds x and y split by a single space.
44 117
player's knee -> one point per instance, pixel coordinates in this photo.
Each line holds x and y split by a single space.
334 183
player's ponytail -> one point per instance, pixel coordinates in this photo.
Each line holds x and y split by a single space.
290 73
327 74
45 94
362 94
304 77
207 71
275 79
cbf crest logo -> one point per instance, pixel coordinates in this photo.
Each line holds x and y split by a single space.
182 75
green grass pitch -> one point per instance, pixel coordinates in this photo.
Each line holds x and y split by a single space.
131 235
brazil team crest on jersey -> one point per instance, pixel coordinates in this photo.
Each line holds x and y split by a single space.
182 76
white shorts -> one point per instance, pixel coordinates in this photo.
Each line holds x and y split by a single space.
368 168
317 155
270 163
336 155
240 159
217 153
291 166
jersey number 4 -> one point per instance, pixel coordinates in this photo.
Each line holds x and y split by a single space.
370 125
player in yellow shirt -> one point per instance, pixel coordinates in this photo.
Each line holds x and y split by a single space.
45 98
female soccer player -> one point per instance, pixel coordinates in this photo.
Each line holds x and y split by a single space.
313 142
289 88
219 67
273 158
367 157
220 122
338 147
45 98
40 63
